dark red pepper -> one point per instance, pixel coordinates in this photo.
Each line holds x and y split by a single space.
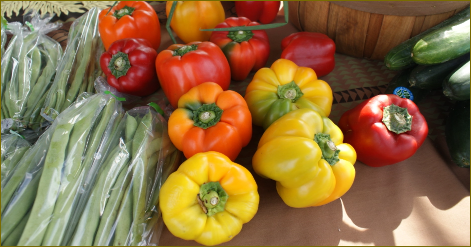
246 51
384 130
313 50
262 11
129 65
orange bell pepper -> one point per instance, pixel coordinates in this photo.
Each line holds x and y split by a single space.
210 119
129 19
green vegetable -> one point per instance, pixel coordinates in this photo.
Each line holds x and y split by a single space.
456 85
10 163
399 57
399 85
124 219
14 237
457 133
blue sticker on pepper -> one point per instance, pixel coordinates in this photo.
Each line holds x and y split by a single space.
403 92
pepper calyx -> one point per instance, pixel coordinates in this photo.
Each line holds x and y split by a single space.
212 198
119 64
330 152
397 119
289 91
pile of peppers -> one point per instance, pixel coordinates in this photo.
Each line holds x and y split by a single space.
210 197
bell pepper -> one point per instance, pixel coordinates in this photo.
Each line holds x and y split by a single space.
129 66
384 130
305 154
308 49
285 87
262 11
246 51
208 199
181 67
129 19
210 119
191 16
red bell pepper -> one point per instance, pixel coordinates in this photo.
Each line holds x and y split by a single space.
384 130
313 50
262 11
182 67
246 51
129 65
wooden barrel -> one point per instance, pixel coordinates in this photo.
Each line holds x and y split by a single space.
369 29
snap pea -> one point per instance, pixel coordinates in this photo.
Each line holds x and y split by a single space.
124 219
14 237
35 118
131 126
9 163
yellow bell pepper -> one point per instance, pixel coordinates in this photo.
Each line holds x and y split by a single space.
285 87
191 16
208 199
304 153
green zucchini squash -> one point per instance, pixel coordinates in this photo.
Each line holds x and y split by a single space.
456 85
432 76
443 44
399 57
399 85
457 133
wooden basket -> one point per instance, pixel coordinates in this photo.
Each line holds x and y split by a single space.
368 29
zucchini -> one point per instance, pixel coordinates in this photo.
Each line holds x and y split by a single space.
443 44
399 85
456 85
399 57
457 133
432 76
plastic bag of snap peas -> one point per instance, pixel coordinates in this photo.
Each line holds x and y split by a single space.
42 193
27 70
14 146
78 68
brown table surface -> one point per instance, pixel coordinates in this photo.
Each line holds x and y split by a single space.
421 201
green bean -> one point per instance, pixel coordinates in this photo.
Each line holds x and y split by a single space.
108 218
25 71
131 126
124 219
14 237
9 163
35 118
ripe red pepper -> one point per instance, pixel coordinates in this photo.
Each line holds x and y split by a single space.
262 11
182 67
129 65
246 51
384 130
313 50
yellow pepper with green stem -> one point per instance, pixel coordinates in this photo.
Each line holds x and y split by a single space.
208 199
304 153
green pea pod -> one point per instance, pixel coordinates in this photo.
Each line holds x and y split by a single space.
124 219
9 164
14 237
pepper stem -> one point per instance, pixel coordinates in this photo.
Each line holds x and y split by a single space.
330 153
126 10
185 49
240 36
212 198
119 64
290 91
397 119
207 115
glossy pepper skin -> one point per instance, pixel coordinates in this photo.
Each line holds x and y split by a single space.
308 49
305 154
285 87
262 11
129 19
383 134
181 67
210 119
182 213
129 66
246 51
191 16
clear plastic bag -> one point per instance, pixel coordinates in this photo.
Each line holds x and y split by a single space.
14 146
31 66
79 66
45 190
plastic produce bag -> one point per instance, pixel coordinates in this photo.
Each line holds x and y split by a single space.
14 146
79 66
29 68
43 192
4 34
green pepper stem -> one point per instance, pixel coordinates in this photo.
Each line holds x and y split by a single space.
119 64
207 115
126 10
212 198
240 36
330 153
289 91
185 49
397 119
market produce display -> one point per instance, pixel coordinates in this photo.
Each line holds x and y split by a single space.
262 11
208 199
129 19
285 87
210 119
246 51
